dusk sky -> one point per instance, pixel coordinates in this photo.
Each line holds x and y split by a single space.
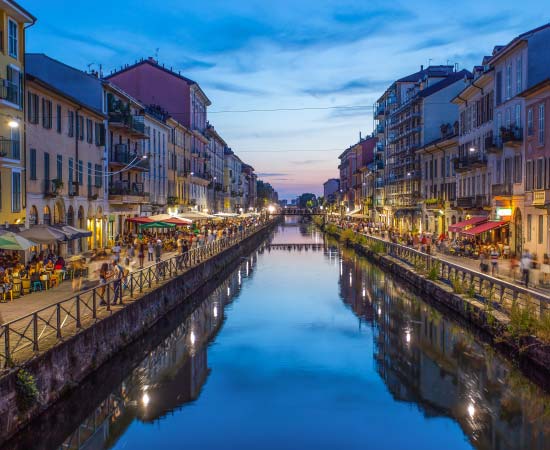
265 55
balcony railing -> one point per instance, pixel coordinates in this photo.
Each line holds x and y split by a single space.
10 92
493 144
504 189
122 155
380 109
471 161
541 198
10 149
512 135
134 124
380 128
125 188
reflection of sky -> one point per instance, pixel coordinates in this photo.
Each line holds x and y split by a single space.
257 54
291 368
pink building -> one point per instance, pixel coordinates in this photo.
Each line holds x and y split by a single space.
537 169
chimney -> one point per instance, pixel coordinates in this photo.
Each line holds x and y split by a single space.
359 136
151 59
421 67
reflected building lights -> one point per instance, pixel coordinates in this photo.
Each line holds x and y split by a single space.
145 399
192 338
471 410
215 311
228 290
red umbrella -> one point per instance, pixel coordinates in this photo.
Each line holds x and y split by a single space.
139 220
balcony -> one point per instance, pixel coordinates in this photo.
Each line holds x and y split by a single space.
379 183
379 147
134 125
465 202
468 162
52 188
10 92
10 149
512 136
541 198
124 192
493 145
380 110
182 173
94 192
502 190
432 204
121 155
380 128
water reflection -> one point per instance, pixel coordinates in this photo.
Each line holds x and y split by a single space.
171 376
322 350
427 359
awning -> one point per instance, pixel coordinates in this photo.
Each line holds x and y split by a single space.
157 225
484 227
194 216
12 241
355 211
139 220
44 234
167 218
455 228
72 232
359 216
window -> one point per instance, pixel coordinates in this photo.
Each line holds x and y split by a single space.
89 178
519 75
16 191
509 81
70 124
33 108
58 118
541 229
539 174
80 127
13 31
14 93
46 113
71 178
15 150
529 175
530 122
80 175
46 166
98 175
99 134
518 115
89 131
541 124
529 220
59 167
499 88
33 163
517 168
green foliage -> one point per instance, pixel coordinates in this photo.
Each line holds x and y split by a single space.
456 283
523 320
332 229
433 273
348 236
360 239
543 327
377 247
471 290
26 390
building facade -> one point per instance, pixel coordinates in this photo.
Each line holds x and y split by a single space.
14 20
65 172
156 179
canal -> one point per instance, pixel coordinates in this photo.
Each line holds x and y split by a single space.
302 348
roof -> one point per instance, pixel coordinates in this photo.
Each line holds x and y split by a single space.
431 71
30 18
153 63
454 228
60 93
81 86
535 88
451 79
484 227
500 50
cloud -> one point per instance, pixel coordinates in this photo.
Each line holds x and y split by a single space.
349 87
271 174
309 161
233 88
194 64
63 33
365 111
430 43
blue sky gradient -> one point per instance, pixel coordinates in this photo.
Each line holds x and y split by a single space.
259 54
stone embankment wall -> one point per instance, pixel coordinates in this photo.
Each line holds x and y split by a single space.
60 369
530 353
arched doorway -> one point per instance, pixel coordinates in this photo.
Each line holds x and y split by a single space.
81 225
33 216
47 215
98 237
70 216
518 233
58 212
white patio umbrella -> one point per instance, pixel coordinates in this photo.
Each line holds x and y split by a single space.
12 241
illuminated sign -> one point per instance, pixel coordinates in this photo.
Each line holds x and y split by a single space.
504 212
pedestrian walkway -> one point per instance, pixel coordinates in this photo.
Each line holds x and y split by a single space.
27 304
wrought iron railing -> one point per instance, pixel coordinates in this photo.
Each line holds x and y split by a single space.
23 338
495 293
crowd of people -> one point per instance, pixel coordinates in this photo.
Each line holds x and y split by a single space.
491 256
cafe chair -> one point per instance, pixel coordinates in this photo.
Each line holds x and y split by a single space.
25 286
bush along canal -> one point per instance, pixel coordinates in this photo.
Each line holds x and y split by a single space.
305 344
516 319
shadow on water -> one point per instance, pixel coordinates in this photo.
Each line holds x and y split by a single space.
424 357
429 359
168 367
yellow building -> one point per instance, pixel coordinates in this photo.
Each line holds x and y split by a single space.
12 111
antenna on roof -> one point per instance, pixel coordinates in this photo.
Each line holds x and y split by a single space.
157 53
429 62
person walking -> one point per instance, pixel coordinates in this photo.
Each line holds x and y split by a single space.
494 261
525 265
116 251
150 250
141 254
158 250
118 275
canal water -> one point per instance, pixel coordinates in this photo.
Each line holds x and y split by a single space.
303 348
